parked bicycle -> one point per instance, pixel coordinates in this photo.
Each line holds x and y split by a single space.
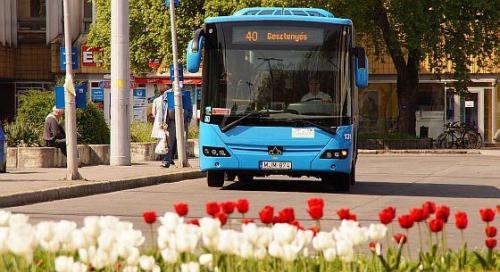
459 135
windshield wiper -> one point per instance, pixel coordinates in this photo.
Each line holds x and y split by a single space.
331 130
251 114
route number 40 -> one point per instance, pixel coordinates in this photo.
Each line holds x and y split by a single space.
251 36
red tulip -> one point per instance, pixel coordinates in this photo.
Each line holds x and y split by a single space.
353 217
245 221
266 215
400 238
193 222
243 205
181 208
149 217
491 243
315 202
429 208
443 212
212 208
222 218
490 231
297 224
405 221
287 215
387 215
487 214
277 220
228 207
316 212
436 225
417 214
461 220
343 214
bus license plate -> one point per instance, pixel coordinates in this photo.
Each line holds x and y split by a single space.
275 165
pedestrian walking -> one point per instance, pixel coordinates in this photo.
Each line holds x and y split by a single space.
53 132
169 120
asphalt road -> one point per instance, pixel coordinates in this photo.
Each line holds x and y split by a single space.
463 182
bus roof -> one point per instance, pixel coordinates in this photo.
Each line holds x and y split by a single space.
280 14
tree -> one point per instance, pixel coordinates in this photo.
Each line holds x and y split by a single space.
456 31
149 31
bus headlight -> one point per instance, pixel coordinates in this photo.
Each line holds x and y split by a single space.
335 154
215 151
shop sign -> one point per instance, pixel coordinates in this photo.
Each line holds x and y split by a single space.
89 55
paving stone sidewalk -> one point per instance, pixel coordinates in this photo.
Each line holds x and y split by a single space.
26 186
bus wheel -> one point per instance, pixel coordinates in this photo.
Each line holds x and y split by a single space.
339 182
352 176
215 178
230 177
245 178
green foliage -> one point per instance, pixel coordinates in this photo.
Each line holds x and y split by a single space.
23 134
150 36
34 107
91 126
193 132
141 132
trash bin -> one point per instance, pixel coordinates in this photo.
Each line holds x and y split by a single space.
424 132
3 150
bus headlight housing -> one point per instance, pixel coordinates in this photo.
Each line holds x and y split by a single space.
335 154
215 151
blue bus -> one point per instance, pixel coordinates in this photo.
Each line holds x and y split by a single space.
279 95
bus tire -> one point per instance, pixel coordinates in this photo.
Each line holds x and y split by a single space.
230 176
215 178
352 176
245 178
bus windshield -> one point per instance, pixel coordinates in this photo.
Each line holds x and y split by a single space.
287 71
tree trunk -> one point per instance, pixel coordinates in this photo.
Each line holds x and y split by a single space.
407 84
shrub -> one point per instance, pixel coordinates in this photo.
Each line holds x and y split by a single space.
34 107
91 126
193 132
141 132
23 134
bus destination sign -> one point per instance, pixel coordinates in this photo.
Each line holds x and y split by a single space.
269 35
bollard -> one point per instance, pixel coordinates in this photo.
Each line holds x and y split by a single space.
3 150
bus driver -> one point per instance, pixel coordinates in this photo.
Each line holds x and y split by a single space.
314 93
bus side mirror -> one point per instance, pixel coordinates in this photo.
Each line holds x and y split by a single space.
361 67
193 56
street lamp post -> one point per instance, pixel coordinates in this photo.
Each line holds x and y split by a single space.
120 84
69 102
179 114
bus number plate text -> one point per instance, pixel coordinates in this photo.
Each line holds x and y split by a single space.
275 165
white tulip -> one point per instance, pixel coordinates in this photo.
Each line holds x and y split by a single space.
206 260
91 226
4 235
275 249
64 264
101 259
45 230
377 231
147 263
290 253
190 267
4 218
18 219
246 250
156 268
170 220
78 239
169 255
251 232
322 241
329 254
63 231
106 240
79 267
345 249
21 241
284 233
131 269
133 256
260 253
264 237
228 242
210 227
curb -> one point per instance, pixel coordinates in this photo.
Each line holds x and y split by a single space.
93 188
422 151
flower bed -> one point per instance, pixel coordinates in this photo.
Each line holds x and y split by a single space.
275 241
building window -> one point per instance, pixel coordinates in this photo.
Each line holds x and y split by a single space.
430 97
87 15
31 25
